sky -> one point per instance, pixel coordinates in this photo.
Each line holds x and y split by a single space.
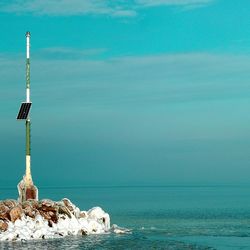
136 92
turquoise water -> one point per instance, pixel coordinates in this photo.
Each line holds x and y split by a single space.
159 217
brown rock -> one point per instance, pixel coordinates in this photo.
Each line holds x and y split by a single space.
3 225
16 213
10 203
48 206
30 208
68 204
30 211
32 203
3 208
64 210
45 215
47 203
25 204
47 209
4 212
54 218
50 213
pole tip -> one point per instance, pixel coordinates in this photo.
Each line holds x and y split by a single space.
27 34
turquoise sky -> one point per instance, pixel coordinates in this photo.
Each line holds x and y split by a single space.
137 92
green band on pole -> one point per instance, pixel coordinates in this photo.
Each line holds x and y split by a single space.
27 73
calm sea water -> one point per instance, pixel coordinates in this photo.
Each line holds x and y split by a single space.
159 217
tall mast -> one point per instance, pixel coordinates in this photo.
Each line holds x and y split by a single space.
26 188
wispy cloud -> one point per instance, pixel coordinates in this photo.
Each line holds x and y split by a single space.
94 7
148 3
65 7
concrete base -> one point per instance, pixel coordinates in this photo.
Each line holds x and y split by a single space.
27 191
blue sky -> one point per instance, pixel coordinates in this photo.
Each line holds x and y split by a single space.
140 92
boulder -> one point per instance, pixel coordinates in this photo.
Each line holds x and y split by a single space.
16 213
64 210
33 203
45 215
68 204
10 203
3 225
72 208
30 211
83 214
47 203
4 212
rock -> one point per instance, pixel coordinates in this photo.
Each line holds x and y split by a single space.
4 212
64 210
19 223
37 234
32 203
49 210
84 232
50 223
68 204
50 213
97 214
45 215
16 213
47 203
3 225
72 208
3 208
30 211
53 216
83 214
10 203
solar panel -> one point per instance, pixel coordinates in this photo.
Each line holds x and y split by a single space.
24 111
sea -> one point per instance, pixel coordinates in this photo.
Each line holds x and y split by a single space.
159 217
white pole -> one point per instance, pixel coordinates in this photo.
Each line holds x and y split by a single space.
28 65
28 44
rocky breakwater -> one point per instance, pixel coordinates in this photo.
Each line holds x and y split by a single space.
49 219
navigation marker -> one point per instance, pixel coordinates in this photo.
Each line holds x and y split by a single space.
26 188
